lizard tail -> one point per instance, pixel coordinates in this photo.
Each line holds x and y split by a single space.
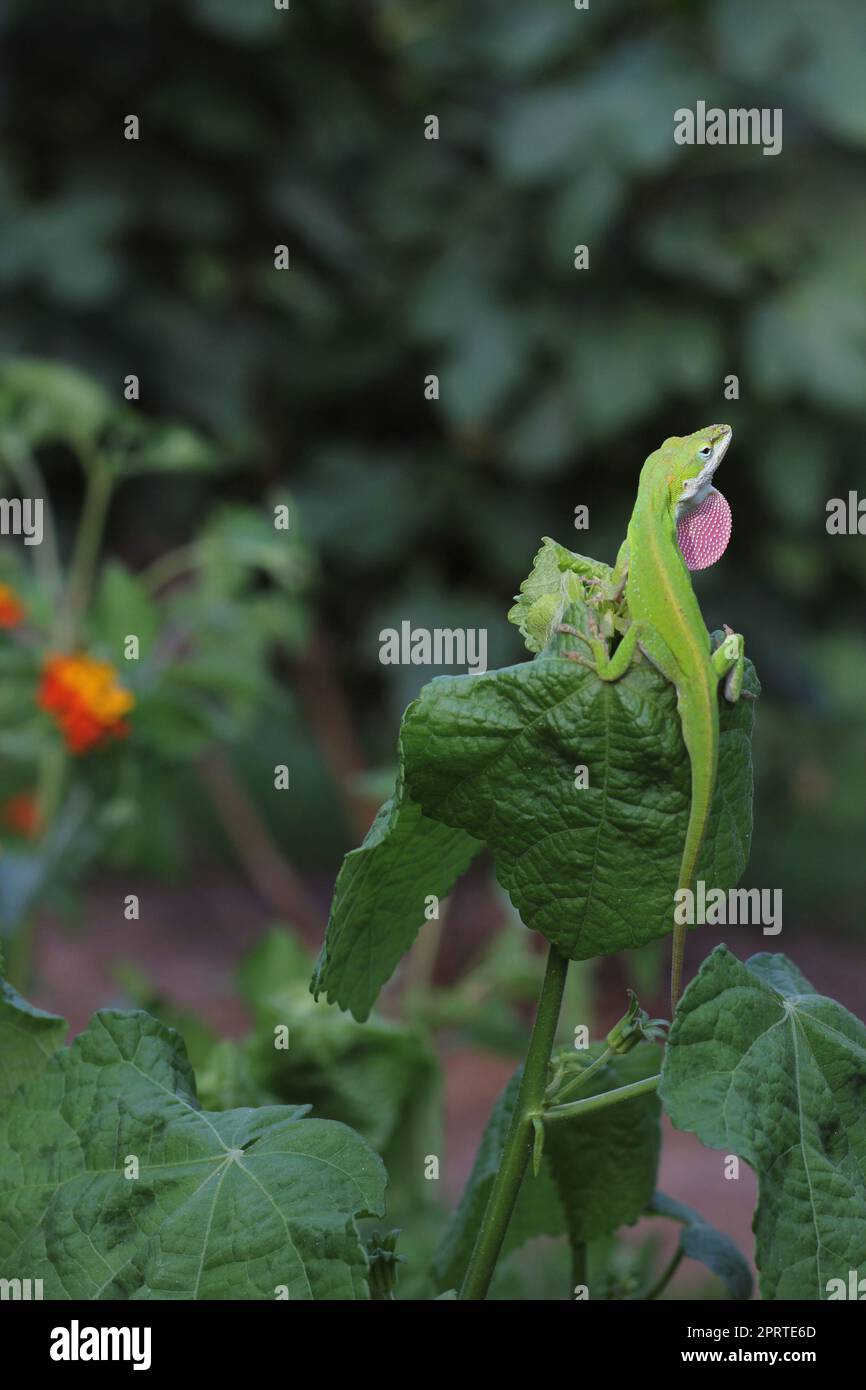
703 780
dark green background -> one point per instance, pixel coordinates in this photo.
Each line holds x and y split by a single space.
456 257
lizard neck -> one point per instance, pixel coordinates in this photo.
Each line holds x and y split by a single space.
655 503
652 531
659 587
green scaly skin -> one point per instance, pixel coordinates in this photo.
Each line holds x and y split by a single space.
666 624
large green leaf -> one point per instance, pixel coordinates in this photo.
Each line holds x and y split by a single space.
604 1164
761 1066
598 1171
593 869
235 1204
379 900
28 1036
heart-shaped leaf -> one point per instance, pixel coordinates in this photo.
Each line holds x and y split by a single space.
380 898
592 867
114 1184
28 1036
761 1066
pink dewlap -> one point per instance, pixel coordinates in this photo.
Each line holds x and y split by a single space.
703 534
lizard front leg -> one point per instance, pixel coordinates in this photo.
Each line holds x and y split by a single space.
607 668
612 668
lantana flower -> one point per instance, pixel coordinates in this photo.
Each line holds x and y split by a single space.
11 607
86 699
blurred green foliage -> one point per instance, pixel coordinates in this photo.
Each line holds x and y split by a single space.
412 256
202 672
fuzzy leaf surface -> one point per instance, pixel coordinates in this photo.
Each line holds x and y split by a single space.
761 1066
28 1036
229 1205
379 900
593 869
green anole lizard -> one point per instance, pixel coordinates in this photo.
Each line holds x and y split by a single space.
679 522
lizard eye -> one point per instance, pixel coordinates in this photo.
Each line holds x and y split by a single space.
706 452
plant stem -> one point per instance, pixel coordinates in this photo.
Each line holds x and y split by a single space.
590 1103
87 542
577 1082
518 1142
49 787
667 1274
325 706
268 869
421 964
28 476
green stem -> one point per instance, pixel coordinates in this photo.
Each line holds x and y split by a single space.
421 965
49 788
667 1274
86 553
31 483
518 1142
590 1103
579 1081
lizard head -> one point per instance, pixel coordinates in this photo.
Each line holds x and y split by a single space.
696 458
703 517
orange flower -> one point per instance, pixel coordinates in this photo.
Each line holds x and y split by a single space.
11 607
21 814
86 700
